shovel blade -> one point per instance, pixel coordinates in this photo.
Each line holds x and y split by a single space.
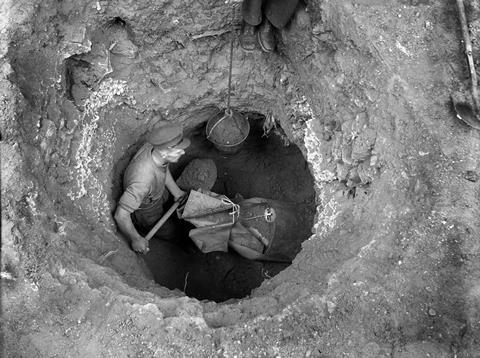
467 114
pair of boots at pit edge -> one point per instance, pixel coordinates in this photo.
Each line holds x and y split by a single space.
264 36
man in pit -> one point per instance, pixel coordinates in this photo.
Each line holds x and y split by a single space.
144 183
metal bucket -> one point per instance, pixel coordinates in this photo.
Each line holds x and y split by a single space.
227 131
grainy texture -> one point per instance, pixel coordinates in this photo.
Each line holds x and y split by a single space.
361 86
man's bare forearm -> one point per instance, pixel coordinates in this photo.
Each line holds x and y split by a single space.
125 224
172 186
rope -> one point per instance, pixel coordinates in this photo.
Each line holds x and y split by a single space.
235 209
230 70
228 111
268 215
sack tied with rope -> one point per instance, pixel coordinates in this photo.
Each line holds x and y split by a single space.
249 227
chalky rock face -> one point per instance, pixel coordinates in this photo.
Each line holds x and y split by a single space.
361 87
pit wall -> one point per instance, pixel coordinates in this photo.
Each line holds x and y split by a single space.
390 269
96 77
94 85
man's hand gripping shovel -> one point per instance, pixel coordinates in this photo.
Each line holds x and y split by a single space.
164 218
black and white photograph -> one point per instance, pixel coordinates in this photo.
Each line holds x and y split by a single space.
240 178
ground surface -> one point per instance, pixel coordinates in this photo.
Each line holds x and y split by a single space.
362 87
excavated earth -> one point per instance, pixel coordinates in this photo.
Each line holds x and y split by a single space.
390 265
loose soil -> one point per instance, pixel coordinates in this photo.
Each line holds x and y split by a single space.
227 130
362 88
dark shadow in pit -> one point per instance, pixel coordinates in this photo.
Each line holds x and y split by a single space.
263 167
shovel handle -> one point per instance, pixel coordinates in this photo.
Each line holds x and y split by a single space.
258 236
468 52
162 220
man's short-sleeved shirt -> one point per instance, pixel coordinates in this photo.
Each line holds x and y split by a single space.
143 181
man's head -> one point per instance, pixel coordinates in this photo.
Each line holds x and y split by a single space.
168 142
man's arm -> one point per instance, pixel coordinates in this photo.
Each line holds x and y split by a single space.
125 224
173 187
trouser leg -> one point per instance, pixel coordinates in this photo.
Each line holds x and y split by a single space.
279 12
252 12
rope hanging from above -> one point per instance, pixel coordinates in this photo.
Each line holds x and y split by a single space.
227 132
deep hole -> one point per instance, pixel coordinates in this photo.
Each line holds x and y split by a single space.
118 24
263 167
117 21
78 80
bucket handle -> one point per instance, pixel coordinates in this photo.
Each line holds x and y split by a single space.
228 113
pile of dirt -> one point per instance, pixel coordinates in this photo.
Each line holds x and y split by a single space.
199 173
227 130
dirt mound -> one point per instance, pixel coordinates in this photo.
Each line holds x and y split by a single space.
199 173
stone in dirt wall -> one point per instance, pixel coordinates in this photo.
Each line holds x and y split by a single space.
361 86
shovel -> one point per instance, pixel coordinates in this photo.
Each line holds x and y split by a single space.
463 109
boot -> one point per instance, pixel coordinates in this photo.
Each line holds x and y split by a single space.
247 37
252 11
266 36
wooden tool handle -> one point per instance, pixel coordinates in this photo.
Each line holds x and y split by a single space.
162 220
468 52
258 236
